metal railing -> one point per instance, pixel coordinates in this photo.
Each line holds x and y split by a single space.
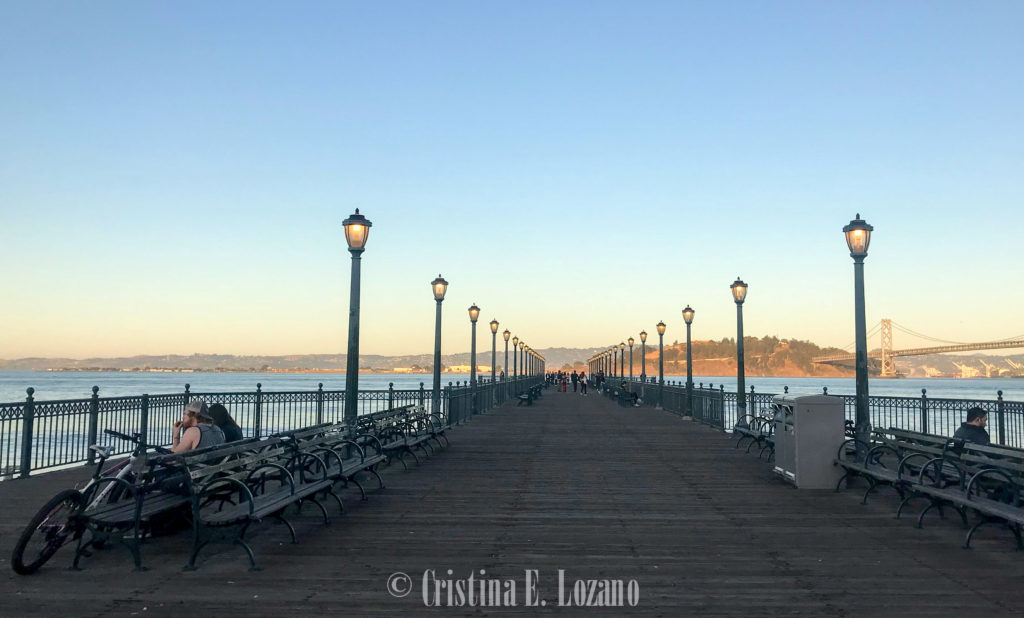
941 416
463 400
42 435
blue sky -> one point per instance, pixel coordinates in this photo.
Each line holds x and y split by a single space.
173 176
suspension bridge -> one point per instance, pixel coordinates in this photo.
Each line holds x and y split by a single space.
883 360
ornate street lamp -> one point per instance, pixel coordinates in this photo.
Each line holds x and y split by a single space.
474 313
631 340
688 318
494 350
515 363
615 359
439 287
522 358
858 237
739 294
622 359
661 363
643 356
505 335
357 230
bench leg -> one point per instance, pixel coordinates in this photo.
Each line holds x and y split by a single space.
279 517
196 548
872 485
359 486
248 551
844 478
80 550
931 504
410 451
380 481
904 503
970 533
337 498
323 511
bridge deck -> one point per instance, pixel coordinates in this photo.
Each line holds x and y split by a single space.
571 483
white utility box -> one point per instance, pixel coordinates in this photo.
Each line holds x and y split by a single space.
809 429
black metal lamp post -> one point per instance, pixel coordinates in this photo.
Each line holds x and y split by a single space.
494 361
643 356
474 313
615 359
631 340
622 359
858 237
688 318
660 362
440 287
494 350
522 358
739 294
515 362
506 335
357 229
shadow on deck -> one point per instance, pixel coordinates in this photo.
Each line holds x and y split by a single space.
573 483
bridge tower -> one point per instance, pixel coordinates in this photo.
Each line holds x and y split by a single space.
888 361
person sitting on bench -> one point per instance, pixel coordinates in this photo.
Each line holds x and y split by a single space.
973 430
198 426
221 418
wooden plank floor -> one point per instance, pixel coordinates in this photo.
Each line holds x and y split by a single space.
573 483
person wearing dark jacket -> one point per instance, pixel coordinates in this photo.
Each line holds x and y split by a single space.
973 429
221 418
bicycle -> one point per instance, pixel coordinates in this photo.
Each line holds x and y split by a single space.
57 522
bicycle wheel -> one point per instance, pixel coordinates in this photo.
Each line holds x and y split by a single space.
46 532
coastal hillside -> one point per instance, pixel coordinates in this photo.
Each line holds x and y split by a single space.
765 356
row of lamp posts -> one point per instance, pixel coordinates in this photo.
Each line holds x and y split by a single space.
858 237
525 360
357 230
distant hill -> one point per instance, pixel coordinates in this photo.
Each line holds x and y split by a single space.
765 356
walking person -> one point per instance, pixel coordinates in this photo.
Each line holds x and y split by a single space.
583 383
575 379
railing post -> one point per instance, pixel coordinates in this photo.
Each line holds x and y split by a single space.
94 417
144 420
391 395
257 417
422 395
26 433
188 396
924 410
785 389
448 404
320 403
721 405
752 406
1000 415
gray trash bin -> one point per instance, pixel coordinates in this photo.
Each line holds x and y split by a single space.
808 433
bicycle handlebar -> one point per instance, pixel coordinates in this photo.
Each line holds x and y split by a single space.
136 439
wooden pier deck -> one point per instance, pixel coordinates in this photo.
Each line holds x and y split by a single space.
573 483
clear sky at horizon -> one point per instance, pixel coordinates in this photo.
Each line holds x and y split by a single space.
173 177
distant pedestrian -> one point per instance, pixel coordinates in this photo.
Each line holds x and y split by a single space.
583 383
575 379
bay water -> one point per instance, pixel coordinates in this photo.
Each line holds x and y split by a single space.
52 385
